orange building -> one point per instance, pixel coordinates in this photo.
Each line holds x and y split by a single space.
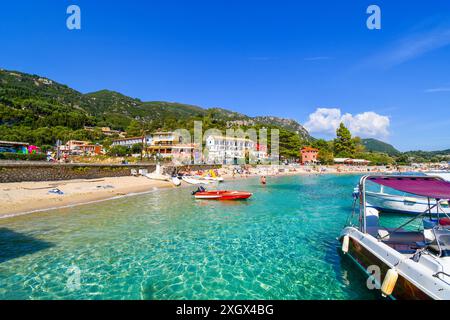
309 155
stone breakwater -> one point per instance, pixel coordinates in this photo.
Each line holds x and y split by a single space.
21 172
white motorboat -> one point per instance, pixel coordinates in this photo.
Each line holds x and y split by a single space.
210 175
158 175
215 179
402 204
176 181
442 174
402 264
195 181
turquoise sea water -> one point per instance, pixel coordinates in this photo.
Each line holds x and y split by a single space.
280 244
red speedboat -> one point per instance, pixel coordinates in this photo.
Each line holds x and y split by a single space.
223 195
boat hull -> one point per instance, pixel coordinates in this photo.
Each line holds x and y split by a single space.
176 182
195 181
217 179
404 289
158 177
423 278
223 195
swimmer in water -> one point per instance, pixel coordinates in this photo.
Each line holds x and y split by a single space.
263 180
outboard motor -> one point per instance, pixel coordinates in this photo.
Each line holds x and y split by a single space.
200 189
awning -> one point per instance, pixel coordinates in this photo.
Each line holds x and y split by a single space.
430 187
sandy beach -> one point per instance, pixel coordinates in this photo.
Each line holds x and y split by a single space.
26 197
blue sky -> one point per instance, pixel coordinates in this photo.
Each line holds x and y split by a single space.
282 58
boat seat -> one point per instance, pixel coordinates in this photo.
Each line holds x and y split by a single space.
422 244
406 242
402 237
404 248
372 221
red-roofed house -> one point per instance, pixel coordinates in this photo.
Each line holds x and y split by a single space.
309 155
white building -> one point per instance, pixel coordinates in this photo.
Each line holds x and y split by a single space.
129 142
228 150
163 143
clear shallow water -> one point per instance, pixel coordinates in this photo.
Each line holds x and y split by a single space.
281 244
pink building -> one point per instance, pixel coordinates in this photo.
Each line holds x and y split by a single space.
309 155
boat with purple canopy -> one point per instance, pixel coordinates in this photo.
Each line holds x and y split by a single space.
403 264
406 203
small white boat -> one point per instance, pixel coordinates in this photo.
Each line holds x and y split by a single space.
441 174
195 181
216 179
158 175
176 181
402 204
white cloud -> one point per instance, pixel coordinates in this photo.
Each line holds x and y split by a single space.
411 47
441 89
324 120
366 124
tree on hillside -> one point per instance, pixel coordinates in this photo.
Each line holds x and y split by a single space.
290 144
377 158
134 129
118 151
137 148
326 155
344 145
359 146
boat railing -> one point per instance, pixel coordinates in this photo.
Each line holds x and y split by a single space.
437 274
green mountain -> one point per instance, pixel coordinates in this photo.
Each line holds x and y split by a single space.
288 124
427 156
375 145
39 110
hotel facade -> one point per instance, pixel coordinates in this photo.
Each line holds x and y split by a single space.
163 145
217 149
233 150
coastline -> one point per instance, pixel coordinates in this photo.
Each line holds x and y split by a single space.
23 198
30 197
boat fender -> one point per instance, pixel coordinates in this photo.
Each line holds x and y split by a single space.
345 244
389 282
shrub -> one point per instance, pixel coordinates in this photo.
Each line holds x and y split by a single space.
118 151
137 148
24 157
